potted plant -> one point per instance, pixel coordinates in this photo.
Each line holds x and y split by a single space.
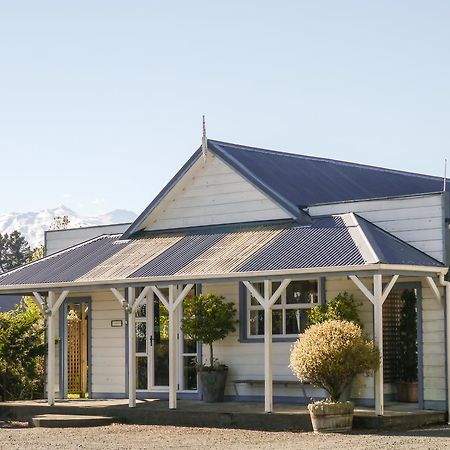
407 386
208 318
330 355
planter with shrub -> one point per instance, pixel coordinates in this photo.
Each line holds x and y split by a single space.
330 355
209 318
407 386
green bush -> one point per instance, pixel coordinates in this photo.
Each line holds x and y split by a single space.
22 351
208 318
342 307
408 337
330 355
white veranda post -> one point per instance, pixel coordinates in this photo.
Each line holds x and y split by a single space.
267 301
377 298
50 306
172 303
130 305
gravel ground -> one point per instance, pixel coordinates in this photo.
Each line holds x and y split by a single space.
16 435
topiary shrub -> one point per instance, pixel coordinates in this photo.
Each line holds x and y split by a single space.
208 318
342 307
330 355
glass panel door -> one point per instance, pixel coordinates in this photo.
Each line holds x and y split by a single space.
152 348
159 344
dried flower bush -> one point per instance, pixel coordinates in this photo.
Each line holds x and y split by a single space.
330 355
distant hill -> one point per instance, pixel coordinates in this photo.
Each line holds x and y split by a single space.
33 224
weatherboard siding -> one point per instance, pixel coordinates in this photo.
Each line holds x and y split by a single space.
416 220
108 345
212 193
246 360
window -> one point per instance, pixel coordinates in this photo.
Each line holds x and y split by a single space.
289 313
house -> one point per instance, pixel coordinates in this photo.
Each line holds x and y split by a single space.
276 233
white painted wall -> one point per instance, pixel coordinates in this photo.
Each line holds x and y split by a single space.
107 344
57 240
212 193
417 220
246 360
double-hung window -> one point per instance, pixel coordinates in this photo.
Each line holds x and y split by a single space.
289 313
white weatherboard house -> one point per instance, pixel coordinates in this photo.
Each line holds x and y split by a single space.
275 233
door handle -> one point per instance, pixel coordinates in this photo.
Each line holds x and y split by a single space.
151 340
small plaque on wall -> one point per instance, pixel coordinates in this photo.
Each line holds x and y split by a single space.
117 323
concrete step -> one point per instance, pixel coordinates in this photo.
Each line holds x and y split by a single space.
70 421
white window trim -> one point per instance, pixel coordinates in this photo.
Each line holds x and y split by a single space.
280 306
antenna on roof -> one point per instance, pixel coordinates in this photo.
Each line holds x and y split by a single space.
445 174
204 140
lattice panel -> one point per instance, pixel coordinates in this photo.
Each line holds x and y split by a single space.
391 336
74 353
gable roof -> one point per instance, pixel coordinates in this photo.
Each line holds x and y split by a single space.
308 180
297 181
329 243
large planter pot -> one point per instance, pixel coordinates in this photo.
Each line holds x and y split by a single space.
407 391
331 417
213 385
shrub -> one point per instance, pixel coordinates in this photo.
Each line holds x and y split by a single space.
208 318
22 350
330 355
342 307
408 337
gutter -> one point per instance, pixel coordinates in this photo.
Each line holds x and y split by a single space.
409 270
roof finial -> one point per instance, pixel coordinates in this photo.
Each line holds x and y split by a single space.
204 140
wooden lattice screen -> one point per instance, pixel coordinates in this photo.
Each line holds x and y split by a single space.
77 350
391 336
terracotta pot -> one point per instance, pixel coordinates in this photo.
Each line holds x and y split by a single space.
331 417
407 391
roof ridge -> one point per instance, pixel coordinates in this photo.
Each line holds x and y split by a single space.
324 159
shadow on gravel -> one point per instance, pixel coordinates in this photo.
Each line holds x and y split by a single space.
436 431
11 424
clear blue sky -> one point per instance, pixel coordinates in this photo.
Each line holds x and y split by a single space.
101 101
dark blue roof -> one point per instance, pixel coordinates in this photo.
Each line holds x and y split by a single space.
307 180
217 251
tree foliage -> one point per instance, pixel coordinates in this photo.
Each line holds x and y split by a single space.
22 350
342 307
330 355
14 251
208 318
408 337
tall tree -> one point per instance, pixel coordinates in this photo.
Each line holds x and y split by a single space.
14 251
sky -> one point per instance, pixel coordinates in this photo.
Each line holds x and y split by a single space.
101 101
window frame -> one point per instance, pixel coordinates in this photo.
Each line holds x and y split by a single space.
247 307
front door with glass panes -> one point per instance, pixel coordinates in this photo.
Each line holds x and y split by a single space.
152 348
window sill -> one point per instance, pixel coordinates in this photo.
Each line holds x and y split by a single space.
274 339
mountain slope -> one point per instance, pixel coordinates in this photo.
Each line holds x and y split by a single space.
33 224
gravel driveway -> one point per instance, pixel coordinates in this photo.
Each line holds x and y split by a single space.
19 436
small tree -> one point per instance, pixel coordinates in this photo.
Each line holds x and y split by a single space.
208 318
408 337
330 355
22 350
14 251
342 307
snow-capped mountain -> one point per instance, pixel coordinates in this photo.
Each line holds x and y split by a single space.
33 224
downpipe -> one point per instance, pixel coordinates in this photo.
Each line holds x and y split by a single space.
446 285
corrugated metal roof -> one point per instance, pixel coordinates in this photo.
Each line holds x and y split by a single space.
328 242
131 257
307 180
